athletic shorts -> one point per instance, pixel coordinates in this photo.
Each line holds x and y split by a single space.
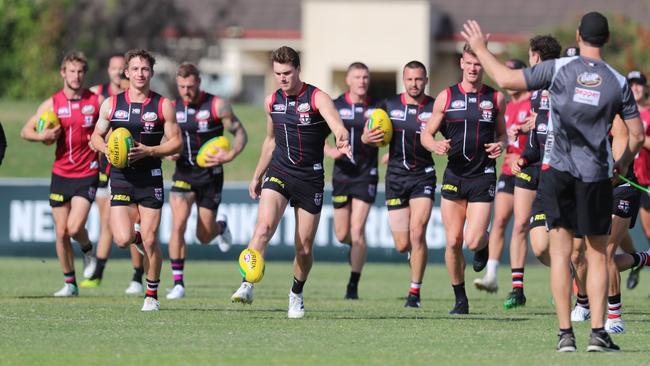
582 207
306 194
626 203
402 188
506 184
148 193
476 189
528 178
207 195
103 180
645 201
343 192
62 189
537 216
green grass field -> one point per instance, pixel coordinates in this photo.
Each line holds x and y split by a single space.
104 326
34 160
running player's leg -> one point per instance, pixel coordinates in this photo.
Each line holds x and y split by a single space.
644 214
503 207
64 250
478 219
453 219
399 221
614 323
105 238
360 210
420 208
581 311
306 226
137 262
342 223
597 279
79 208
539 242
149 222
122 219
181 206
518 247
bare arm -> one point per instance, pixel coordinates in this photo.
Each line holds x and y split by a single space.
28 131
233 125
102 126
328 111
268 145
427 137
635 139
500 73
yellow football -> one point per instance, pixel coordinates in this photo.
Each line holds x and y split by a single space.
379 118
251 265
211 147
118 146
47 119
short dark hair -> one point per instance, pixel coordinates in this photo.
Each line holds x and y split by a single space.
129 55
468 50
546 46
415 65
286 55
74 56
358 66
114 55
187 69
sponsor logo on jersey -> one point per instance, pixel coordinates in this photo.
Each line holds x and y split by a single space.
203 125
318 199
397 113
486 104
486 115
304 107
88 109
191 111
56 197
589 79
471 100
121 114
181 117
74 105
150 116
346 113
121 197
534 95
88 121
203 114
412 111
279 108
586 96
358 109
542 128
292 103
449 187
63 111
424 116
135 110
156 172
458 104
158 193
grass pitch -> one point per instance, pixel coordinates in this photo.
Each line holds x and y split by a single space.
104 326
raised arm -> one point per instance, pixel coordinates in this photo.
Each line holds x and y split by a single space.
328 111
427 137
499 72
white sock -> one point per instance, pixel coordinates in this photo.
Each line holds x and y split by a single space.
492 265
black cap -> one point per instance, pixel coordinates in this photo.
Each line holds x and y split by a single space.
515 64
571 51
594 28
637 77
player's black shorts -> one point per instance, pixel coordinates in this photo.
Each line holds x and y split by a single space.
476 189
302 193
103 171
103 180
645 201
343 192
626 202
62 189
146 193
537 216
528 178
506 184
585 208
207 195
401 188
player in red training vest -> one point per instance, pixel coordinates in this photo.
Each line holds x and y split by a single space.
75 169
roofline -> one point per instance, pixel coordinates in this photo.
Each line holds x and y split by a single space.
261 33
